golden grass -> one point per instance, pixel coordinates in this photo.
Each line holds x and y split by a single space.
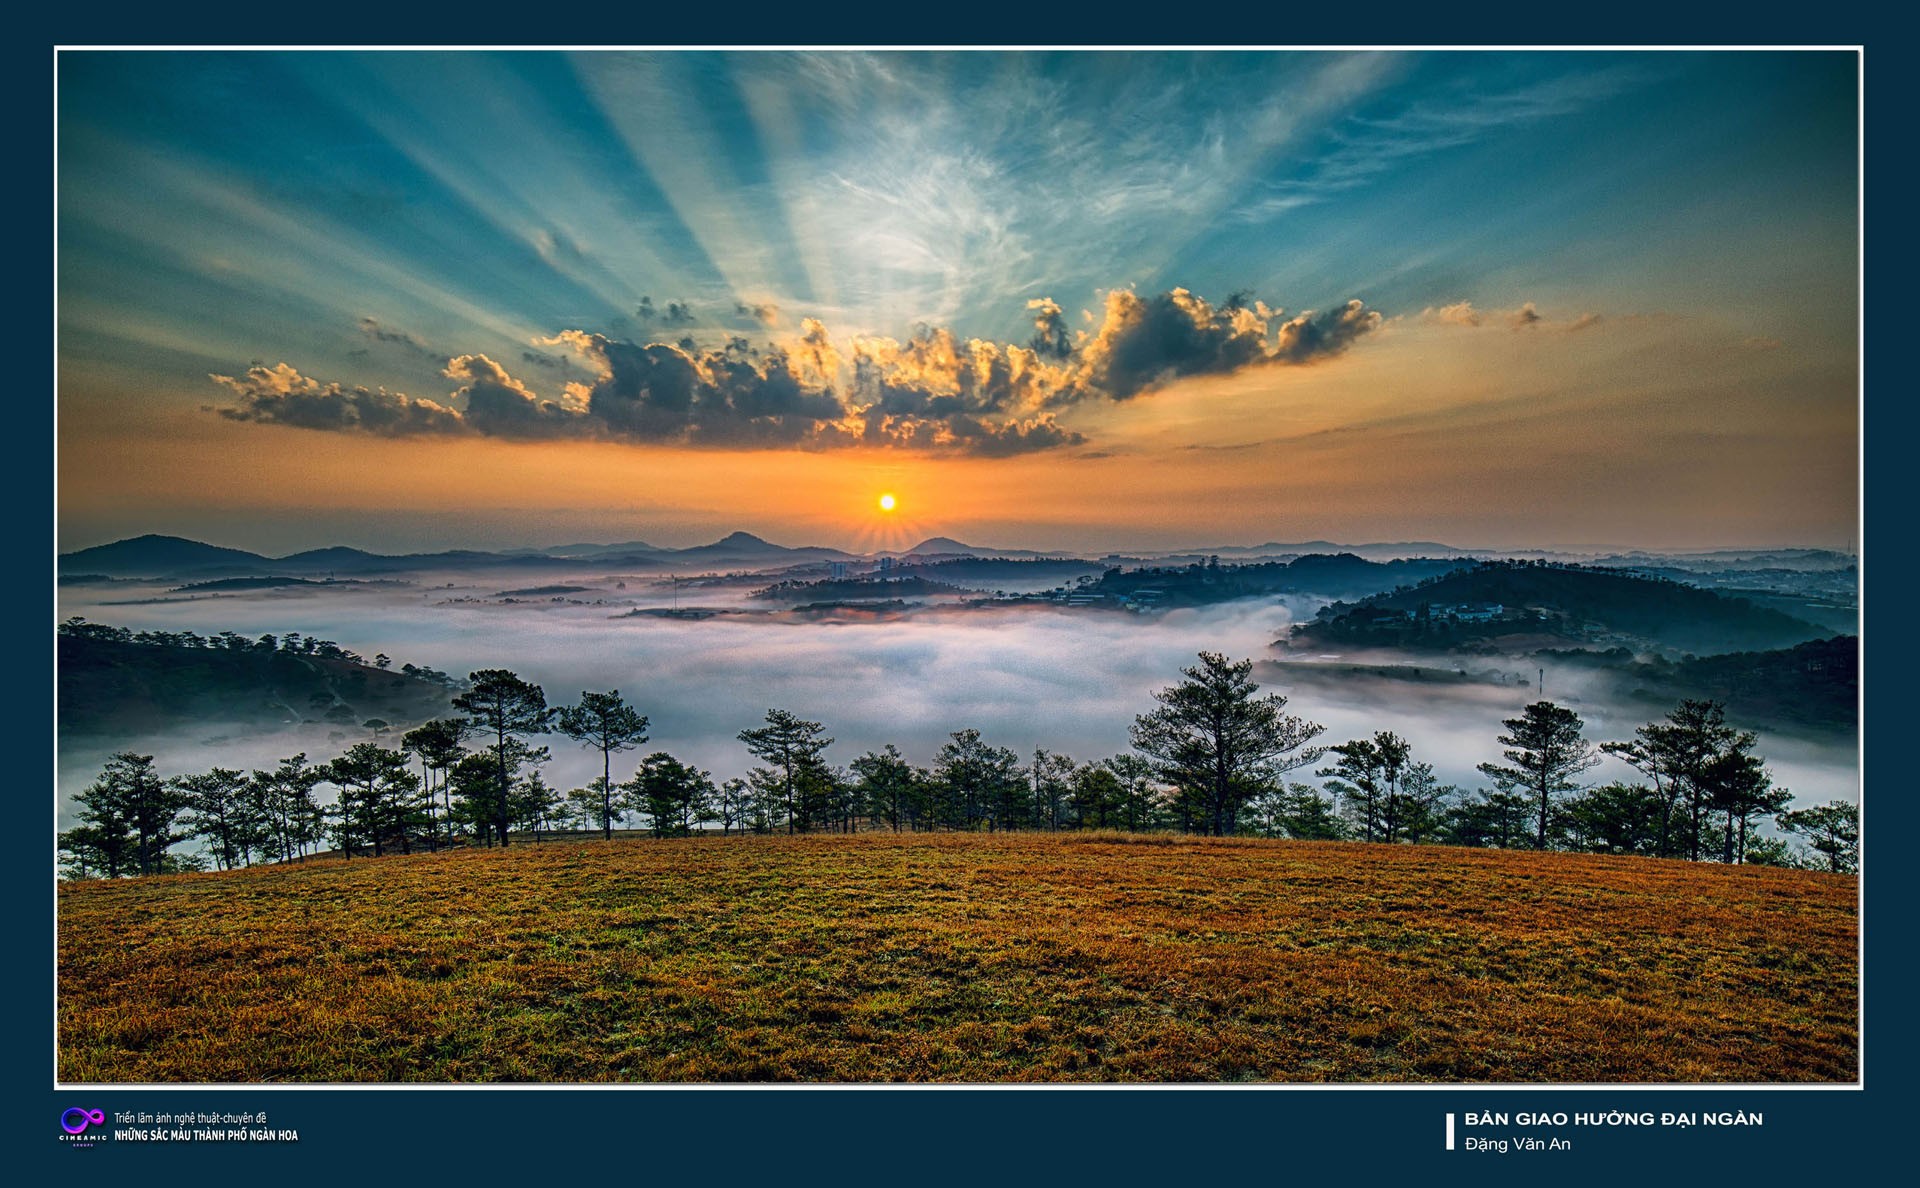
963 958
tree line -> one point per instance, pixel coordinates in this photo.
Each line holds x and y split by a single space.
1214 757
293 643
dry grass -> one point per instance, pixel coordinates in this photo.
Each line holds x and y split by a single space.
963 958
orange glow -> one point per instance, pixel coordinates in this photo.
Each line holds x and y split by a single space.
1433 433
887 502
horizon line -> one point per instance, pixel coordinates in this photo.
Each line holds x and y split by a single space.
505 550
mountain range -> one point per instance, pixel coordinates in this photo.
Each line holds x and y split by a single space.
155 556
173 557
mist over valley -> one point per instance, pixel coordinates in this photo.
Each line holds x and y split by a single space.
1057 652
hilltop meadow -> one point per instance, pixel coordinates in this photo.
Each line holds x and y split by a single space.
963 958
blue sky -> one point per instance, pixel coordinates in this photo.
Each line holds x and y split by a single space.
370 219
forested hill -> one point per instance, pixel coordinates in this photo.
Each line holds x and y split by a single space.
1814 684
1563 601
113 683
1338 575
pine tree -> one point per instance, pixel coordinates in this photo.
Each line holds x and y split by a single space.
1218 744
501 706
217 810
134 812
788 744
605 722
671 795
1547 750
376 791
1832 829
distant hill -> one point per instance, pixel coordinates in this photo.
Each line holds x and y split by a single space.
156 556
1738 559
340 560
176 559
1563 602
1340 575
946 546
172 557
1383 551
338 556
746 548
1814 684
1021 574
117 688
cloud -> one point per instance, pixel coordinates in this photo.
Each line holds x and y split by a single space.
1146 342
933 392
668 393
500 406
765 313
372 328
1526 317
1141 343
934 372
674 313
1461 313
977 436
280 395
543 360
1315 336
1050 334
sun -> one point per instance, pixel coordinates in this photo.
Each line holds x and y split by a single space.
888 502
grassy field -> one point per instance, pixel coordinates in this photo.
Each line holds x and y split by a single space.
962 958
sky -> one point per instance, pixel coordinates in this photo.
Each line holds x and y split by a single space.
422 300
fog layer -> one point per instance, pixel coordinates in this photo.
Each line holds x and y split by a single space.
1068 680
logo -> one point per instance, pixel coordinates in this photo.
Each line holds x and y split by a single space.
76 1120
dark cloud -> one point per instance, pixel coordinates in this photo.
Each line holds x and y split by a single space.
372 328
767 314
282 396
500 406
674 313
1050 335
1146 342
934 392
548 362
1524 317
1315 336
658 392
